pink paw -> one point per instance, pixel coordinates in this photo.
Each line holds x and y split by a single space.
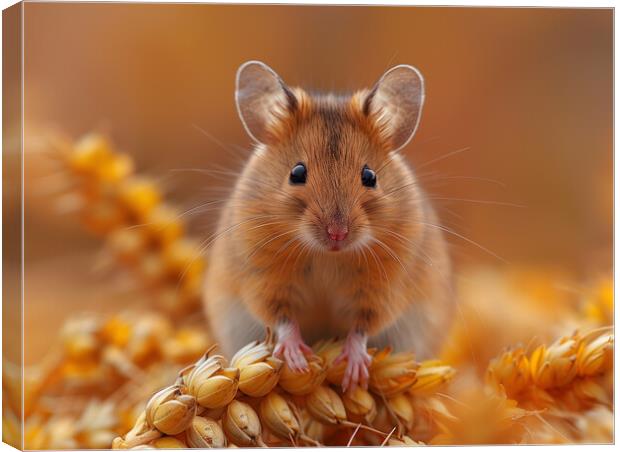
358 360
292 347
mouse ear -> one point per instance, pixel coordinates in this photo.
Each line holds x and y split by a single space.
396 103
262 99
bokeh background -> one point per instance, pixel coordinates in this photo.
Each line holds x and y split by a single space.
527 91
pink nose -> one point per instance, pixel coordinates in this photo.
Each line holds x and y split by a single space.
337 232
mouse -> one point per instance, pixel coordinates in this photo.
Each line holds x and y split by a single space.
327 231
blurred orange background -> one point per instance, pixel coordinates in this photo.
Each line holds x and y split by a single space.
527 91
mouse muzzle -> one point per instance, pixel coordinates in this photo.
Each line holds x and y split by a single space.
337 232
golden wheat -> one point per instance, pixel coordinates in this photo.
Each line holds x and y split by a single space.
93 383
142 232
256 400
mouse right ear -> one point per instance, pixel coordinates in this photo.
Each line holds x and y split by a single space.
262 99
396 103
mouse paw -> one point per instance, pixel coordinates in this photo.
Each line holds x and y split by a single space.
358 360
292 347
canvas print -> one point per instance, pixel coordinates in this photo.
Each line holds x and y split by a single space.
306 226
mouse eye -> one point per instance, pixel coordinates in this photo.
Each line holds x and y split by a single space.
369 178
298 174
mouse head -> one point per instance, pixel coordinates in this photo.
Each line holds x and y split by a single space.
326 165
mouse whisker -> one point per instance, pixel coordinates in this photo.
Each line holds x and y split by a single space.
229 148
433 177
209 240
362 253
251 192
225 175
205 244
306 250
286 244
396 190
403 239
267 242
426 259
390 253
443 157
468 240
201 208
478 201
373 254
262 225
298 246
176 217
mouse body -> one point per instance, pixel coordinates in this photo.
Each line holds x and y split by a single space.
327 232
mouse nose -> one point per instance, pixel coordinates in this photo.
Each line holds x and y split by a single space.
337 232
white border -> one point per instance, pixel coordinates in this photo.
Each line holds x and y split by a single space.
480 3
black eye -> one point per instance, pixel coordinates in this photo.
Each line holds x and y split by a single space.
369 178
298 174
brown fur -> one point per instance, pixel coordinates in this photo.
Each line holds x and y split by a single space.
270 260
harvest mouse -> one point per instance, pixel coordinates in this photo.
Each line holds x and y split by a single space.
327 232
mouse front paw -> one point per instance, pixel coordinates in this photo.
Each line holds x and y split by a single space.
292 347
358 361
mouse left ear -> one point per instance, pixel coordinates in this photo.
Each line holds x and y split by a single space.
396 103
262 99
